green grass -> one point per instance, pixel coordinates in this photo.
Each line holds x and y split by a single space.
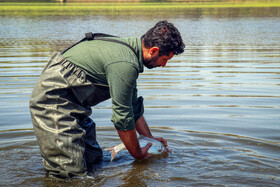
122 8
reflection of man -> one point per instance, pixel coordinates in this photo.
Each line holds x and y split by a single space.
85 75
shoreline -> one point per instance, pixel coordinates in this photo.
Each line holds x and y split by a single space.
173 8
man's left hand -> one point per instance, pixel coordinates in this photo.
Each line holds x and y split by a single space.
162 140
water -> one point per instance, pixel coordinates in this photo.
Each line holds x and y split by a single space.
217 105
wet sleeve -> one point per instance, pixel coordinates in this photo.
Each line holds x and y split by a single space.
138 105
121 78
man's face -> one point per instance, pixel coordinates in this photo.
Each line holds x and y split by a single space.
157 61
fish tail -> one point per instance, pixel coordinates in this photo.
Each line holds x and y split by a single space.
113 152
113 155
109 149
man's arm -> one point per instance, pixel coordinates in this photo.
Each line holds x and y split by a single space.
121 78
129 138
143 129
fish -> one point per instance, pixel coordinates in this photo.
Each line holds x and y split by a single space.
157 147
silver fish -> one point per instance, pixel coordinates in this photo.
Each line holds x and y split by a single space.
156 148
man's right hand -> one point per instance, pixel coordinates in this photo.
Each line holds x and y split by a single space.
145 150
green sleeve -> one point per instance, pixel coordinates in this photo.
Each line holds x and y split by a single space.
121 77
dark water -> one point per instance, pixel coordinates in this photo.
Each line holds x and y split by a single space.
217 105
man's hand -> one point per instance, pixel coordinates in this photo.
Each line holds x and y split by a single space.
145 150
161 140
166 150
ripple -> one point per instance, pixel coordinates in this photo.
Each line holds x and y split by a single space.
196 158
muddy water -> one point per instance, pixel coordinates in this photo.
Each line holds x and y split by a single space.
218 104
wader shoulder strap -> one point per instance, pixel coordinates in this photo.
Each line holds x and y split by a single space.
100 36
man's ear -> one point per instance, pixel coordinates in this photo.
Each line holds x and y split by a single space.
154 51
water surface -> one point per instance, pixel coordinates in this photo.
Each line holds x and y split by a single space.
218 104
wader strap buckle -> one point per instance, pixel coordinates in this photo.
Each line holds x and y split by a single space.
89 36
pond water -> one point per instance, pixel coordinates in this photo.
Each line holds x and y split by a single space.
217 104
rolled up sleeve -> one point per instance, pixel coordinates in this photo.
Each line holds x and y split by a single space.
121 78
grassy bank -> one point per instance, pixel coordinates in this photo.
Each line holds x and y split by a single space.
124 8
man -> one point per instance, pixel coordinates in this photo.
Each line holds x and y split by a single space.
89 72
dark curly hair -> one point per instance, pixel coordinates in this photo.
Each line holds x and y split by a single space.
166 37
